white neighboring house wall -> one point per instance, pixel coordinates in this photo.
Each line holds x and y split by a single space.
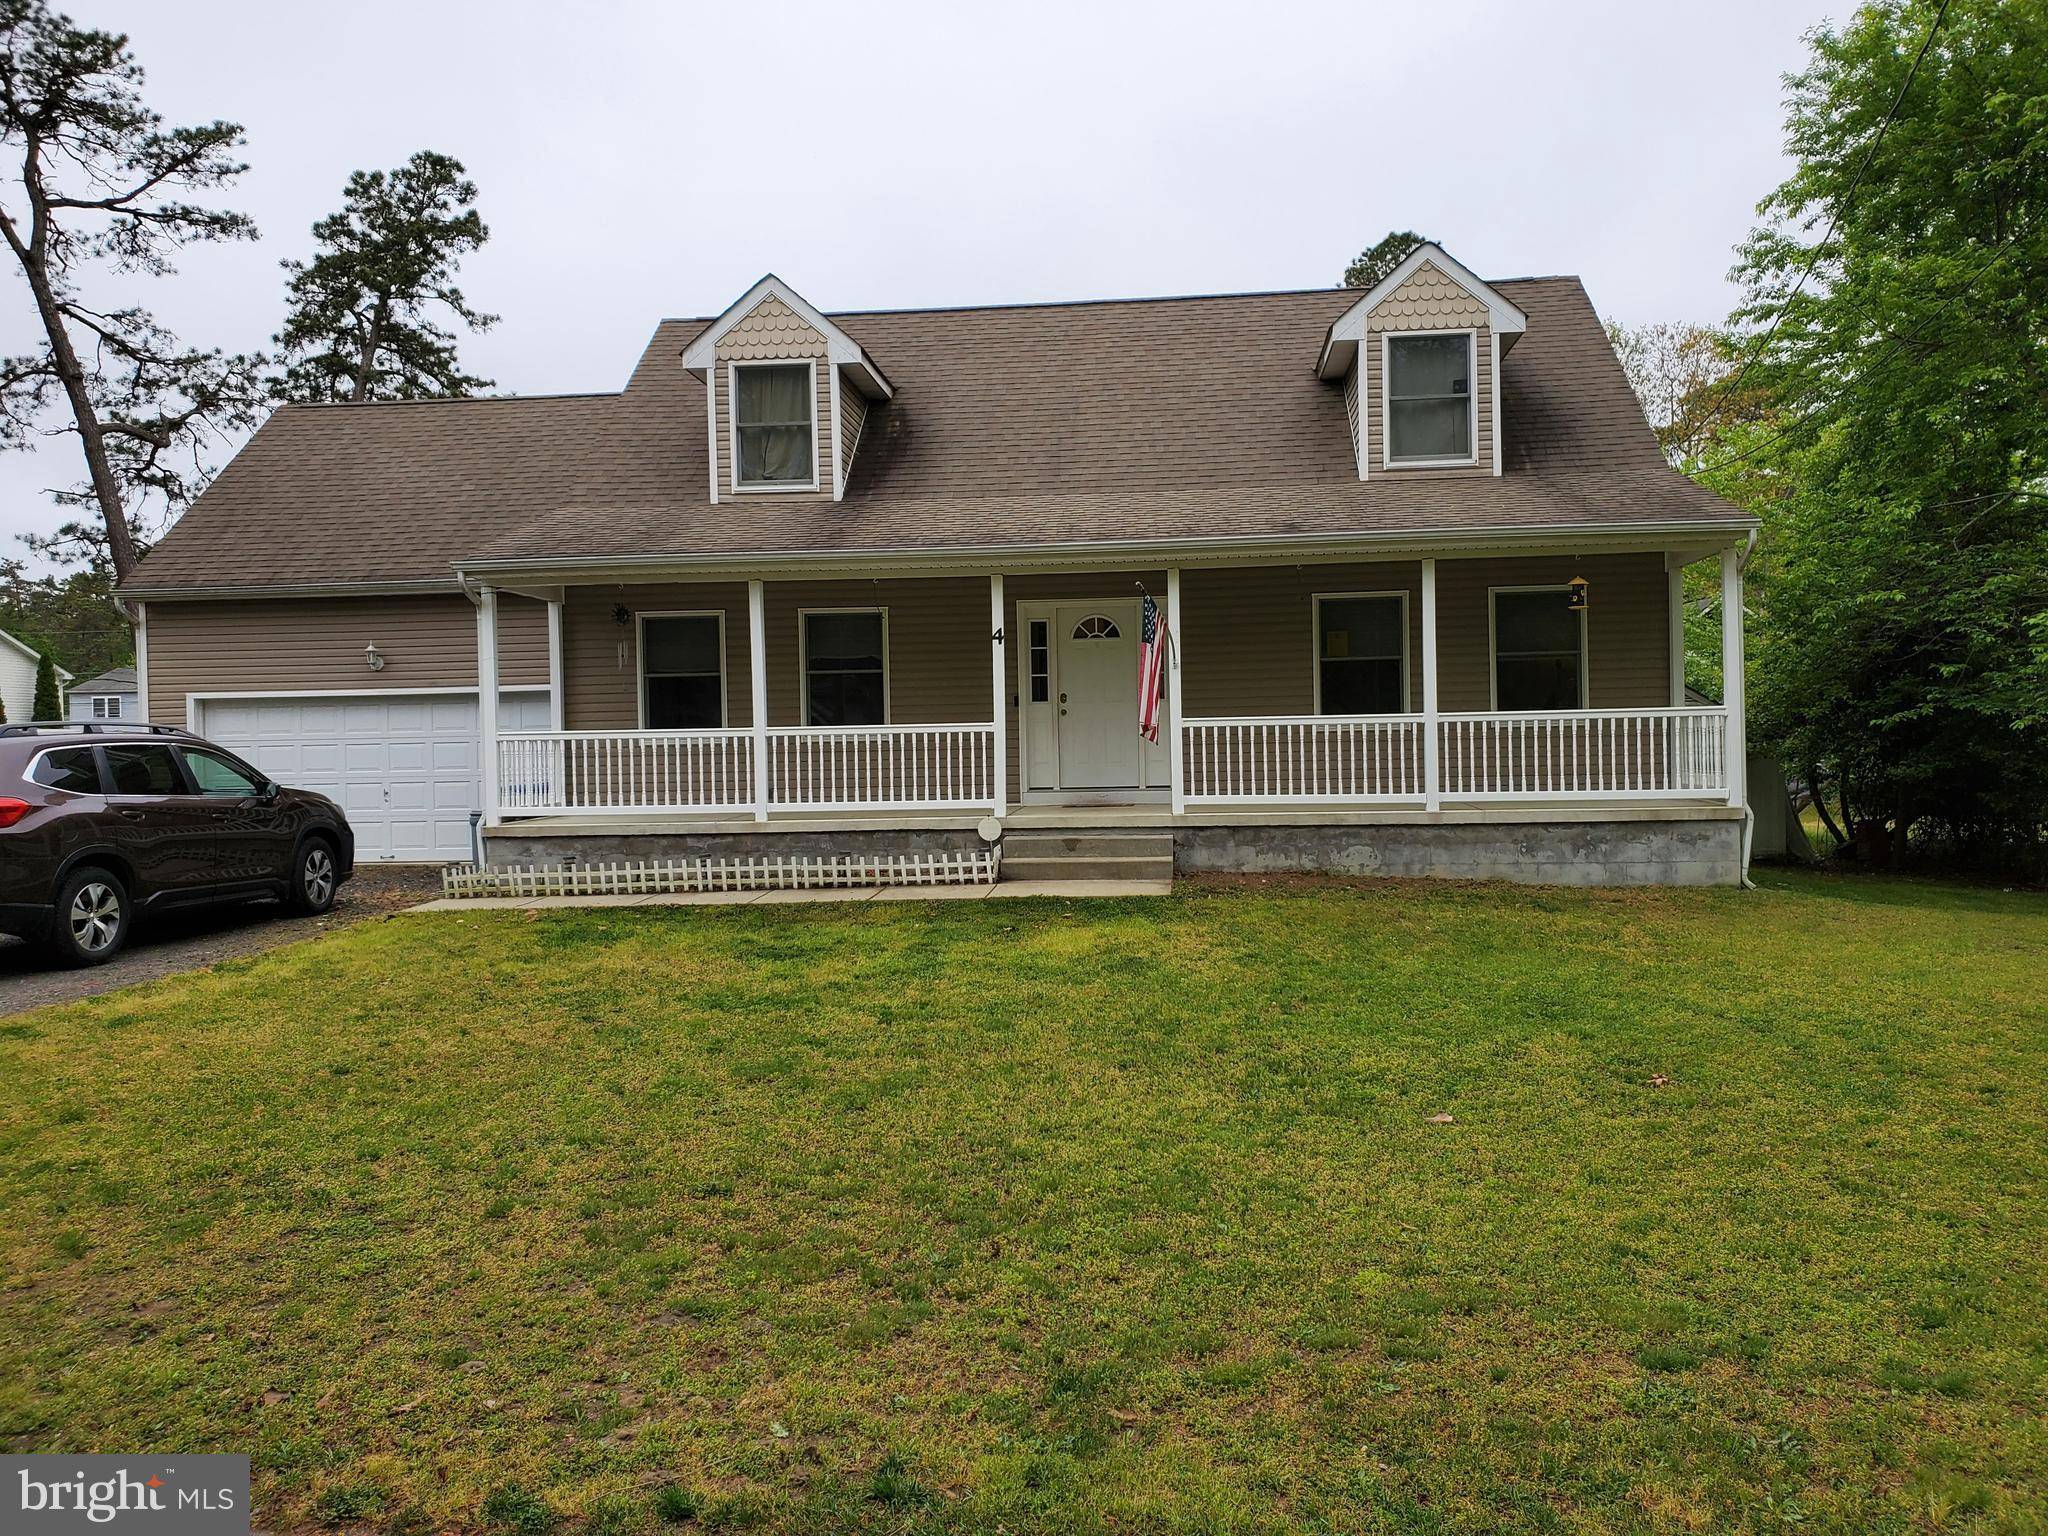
18 678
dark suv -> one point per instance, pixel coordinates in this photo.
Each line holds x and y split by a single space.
99 823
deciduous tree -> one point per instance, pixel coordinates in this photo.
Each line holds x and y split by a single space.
1896 312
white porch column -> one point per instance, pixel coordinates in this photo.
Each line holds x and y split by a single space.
1176 744
142 662
999 673
487 696
1432 786
1732 689
757 675
557 713
1674 581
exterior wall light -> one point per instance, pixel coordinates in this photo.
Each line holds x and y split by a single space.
1579 588
374 657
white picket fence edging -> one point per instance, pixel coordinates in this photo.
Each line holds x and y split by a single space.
754 872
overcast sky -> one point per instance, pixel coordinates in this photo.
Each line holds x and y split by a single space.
638 160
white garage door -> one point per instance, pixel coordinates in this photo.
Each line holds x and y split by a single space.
403 768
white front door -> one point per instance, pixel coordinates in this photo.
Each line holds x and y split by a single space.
1098 695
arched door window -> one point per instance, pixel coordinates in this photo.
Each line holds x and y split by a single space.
1097 627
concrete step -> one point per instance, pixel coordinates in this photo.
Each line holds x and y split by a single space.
1098 867
1088 844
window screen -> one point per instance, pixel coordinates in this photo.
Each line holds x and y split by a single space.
843 668
1361 653
682 672
1429 397
774 417
1536 651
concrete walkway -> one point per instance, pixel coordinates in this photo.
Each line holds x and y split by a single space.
1006 888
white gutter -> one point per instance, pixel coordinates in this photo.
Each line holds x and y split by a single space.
427 588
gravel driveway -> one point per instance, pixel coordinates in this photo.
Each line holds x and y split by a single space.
192 940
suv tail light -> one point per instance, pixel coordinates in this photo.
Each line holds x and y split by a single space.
12 810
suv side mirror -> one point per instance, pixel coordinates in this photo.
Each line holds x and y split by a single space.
271 789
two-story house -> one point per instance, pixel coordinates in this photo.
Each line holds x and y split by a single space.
825 582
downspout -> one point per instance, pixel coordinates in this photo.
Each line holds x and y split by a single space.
1748 807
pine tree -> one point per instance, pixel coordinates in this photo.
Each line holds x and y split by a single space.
359 327
48 705
103 190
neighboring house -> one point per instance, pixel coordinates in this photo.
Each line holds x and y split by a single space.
110 696
18 678
820 583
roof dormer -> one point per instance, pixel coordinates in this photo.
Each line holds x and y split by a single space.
1419 356
786 396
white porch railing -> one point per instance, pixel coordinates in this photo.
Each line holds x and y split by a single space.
881 767
1611 754
1281 759
557 772
1585 754
875 768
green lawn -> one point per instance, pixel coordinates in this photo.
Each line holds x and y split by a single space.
1046 1216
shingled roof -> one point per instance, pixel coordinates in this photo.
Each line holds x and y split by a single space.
1164 419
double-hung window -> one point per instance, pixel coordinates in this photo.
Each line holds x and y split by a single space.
1362 653
773 405
106 706
1429 398
846 666
1539 649
682 671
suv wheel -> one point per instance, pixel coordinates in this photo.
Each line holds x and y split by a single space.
91 921
314 876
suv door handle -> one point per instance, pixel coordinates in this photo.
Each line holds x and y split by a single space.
127 815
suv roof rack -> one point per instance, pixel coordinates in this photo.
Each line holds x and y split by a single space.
91 728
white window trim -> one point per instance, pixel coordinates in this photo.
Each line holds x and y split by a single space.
105 706
732 424
803 660
640 663
1387 339
1315 640
1493 644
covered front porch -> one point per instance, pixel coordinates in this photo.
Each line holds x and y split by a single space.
888 701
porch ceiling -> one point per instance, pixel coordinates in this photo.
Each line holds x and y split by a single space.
1688 540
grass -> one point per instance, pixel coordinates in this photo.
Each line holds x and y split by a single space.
1065 1217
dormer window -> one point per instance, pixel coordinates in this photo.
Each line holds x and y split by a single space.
1429 398
774 426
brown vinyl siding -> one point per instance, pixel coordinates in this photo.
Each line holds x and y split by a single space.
288 645
1429 301
1248 647
773 333
853 419
1628 637
600 657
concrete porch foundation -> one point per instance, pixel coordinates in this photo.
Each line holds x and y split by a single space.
1664 844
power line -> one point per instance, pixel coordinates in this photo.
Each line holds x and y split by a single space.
1834 219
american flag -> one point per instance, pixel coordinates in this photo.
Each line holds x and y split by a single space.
1152 642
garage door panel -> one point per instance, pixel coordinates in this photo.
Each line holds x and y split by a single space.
404 770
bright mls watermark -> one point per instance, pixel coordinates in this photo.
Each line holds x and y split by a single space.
139 1495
